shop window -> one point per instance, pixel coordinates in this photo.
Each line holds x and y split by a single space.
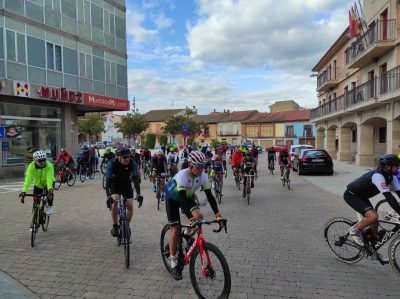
279 142
120 28
54 57
382 135
122 75
34 12
97 17
98 69
70 60
36 52
68 8
16 6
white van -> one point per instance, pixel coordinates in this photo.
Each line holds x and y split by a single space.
296 148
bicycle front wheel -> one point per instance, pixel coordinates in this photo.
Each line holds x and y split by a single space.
164 247
288 183
126 242
386 213
91 174
34 225
215 281
338 240
248 194
45 218
394 254
71 179
82 175
57 183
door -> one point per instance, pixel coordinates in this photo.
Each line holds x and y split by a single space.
384 20
289 143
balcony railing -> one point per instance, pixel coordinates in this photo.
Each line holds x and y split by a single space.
229 133
327 79
389 81
380 31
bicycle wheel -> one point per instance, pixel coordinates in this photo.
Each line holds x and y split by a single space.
158 195
91 173
104 182
82 175
394 254
164 247
248 192
126 241
287 180
217 280
57 183
34 224
145 173
45 218
103 168
386 213
71 179
219 192
337 238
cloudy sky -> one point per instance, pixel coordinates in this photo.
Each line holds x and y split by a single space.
228 54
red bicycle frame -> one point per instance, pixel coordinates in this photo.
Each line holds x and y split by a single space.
198 242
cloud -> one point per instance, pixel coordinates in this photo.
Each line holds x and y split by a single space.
136 30
162 21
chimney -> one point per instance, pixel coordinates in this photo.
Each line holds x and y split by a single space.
224 111
215 110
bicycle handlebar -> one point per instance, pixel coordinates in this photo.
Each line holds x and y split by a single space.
198 223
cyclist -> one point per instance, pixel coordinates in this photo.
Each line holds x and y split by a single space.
85 158
180 192
41 172
236 160
137 178
254 151
283 159
248 165
271 156
146 155
159 167
119 174
173 159
209 157
218 167
107 156
64 156
358 193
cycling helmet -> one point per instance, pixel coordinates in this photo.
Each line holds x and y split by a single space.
38 155
220 152
122 151
249 153
63 150
197 158
159 152
172 149
108 149
85 147
389 160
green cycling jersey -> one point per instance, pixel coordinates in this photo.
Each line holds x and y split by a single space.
42 177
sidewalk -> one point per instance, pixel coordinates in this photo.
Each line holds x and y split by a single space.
344 173
10 288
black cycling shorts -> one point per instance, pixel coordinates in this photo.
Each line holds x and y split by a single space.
124 189
361 205
173 206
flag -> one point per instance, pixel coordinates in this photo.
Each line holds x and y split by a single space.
352 31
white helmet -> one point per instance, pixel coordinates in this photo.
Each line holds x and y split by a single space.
197 158
159 152
39 155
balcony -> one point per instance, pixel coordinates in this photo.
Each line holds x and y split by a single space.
327 79
389 81
378 39
229 133
352 99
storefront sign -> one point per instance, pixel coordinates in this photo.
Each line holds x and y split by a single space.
61 94
106 102
2 132
21 89
5 146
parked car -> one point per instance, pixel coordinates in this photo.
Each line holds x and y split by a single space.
297 148
99 145
313 161
259 148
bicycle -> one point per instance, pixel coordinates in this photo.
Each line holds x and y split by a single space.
86 172
286 173
63 176
386 212
237 177
39 215
208 273
172 169
124 232
271 166
218 188
247 188
348 251
158 194
146 170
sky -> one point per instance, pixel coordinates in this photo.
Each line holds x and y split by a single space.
228 54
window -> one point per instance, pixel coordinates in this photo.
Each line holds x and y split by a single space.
346 55
289 131
108 22
10 40
54 5
120 28
307 130
15 46
16 6
122 75
334 95
36 52
68 8
1 44
251 131
267 131
54 60
97 17
98 69
70 60
206 132
86 9
382 135
354 136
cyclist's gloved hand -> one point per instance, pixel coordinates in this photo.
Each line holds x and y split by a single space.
109 202
226 173
22 197
51 193
221 221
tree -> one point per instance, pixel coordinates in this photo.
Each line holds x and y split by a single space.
163 139
150 140
173 125
131 125
91 125
215 143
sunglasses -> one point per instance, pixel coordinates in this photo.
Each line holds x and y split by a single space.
41 160
199 167
126 157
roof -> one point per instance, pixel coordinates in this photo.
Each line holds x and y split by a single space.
286 116
281 102
211 118
236 115
161 115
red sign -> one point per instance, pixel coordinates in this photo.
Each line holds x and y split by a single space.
62 94
106 102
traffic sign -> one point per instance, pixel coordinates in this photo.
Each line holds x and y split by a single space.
185 134
2 132
5 146
185 127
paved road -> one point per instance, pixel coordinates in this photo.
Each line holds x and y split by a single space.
274 247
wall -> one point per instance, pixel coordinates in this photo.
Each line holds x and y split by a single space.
283 106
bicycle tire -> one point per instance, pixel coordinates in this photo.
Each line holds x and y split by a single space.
58 181
82 175
104 181
34 225
126 240
91 173
103 168
71 179
158 196
248 194
164 247
45 218
145 173
394 258
288 184
340 238
386 213
226 280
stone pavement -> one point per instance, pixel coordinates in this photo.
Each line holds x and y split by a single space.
274 247
10 288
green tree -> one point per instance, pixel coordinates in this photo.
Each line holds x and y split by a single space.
91 125
163 139
131 125
173 125
215 143
150 140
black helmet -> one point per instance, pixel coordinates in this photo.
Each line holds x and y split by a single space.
388 159
122 151
85 147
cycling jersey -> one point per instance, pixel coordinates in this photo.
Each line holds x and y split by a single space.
147 155
66 157
236 159
218 164
108 157
119 178
159 165
284 158
248 164
271 154
173 157
42 177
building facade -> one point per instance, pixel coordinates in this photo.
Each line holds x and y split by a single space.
229 128
58 60
358 113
